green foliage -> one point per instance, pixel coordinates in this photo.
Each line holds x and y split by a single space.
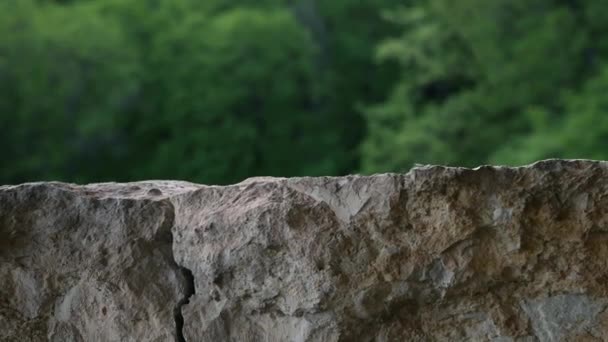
216 91
483 81
66 75
347 32
238 98
211 91
582 133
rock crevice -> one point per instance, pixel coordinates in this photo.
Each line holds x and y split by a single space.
189 291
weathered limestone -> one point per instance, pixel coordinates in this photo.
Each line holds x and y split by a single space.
437 254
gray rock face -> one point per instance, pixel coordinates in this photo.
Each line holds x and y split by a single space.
437 254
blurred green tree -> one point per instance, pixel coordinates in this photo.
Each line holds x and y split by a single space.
216 91
346 33
237 89
581 132
66 75
471 70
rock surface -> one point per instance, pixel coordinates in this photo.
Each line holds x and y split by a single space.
437 254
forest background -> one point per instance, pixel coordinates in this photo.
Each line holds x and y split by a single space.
215 91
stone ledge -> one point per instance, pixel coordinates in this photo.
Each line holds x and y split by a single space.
439 253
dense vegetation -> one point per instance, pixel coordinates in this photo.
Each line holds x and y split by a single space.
215 91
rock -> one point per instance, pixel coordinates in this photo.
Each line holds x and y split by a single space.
446 254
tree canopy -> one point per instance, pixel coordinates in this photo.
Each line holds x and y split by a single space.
497 81
216 91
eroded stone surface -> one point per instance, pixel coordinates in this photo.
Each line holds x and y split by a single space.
86 264
490 254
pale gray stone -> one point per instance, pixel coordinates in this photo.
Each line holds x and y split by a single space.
556 317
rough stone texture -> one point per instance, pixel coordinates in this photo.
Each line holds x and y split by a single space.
437 254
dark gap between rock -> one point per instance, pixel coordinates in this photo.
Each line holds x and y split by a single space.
177 311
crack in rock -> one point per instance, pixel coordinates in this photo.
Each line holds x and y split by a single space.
184 275
177 311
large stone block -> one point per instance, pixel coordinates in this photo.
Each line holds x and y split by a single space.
437 254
